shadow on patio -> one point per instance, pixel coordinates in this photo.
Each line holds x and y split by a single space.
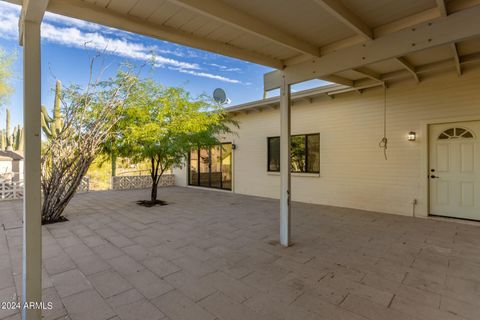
214 255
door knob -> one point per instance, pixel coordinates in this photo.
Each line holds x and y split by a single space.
434 177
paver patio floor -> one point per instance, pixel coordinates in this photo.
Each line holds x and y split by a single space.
214 255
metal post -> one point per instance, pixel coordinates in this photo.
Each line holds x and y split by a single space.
32 222
285 160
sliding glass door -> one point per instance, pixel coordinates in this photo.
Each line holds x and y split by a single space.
204 165
227 166
193 168
211 167
216 167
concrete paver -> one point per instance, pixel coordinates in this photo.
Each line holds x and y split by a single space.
215 255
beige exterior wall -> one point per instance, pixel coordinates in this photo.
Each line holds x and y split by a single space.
5 166
181 175
353 171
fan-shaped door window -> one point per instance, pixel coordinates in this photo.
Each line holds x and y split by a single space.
455 133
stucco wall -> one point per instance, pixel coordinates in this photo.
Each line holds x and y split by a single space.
5 166
181 176
353 171
17 167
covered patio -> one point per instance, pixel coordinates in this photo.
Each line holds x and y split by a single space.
389 266
217 256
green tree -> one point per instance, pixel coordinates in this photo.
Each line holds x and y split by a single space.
163 124
6 60
3 140
8 131
89 114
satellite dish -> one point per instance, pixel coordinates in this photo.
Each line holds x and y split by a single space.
220 96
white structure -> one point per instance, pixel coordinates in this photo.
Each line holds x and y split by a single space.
11 165
352 171
356 43
6 167
11 190
140 182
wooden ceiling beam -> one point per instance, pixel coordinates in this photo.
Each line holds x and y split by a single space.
361 85
338 80
432 67
339 11
224 13
442 7
348 18
456 58
409 67
455 27
391 27
368 73
93 13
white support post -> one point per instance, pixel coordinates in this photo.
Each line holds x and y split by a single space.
285 184
32 224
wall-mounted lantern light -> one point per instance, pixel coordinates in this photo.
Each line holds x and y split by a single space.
412 136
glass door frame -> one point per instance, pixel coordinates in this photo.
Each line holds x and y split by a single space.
210 167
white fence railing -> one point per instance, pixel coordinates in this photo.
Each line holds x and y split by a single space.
140 182
84 185
12 190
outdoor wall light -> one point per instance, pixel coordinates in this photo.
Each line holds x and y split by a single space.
412 136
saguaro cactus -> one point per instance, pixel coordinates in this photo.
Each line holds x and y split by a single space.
3 142
11 140
14 138
17 138
8 132
21 138
52 126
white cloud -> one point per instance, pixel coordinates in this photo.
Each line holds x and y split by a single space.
208 75
82 34
8 20
75 33
225 68
71 22
73 37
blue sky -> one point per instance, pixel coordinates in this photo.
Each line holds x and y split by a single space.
68 46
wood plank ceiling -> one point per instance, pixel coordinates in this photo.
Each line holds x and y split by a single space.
280 33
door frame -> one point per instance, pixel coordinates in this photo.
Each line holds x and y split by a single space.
424 208
210 171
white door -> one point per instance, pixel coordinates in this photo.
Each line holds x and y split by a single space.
454 171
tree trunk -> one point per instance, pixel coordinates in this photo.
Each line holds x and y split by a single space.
60 187
153 196
114 165
154 175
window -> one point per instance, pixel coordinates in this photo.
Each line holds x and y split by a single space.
305 153
211 167
274 154
455 133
